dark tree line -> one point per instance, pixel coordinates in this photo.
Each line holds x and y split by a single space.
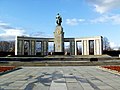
7 46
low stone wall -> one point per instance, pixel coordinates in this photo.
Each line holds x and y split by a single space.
50 61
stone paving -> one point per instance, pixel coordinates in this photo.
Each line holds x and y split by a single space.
60 78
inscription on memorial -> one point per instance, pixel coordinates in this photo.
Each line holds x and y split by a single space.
59 35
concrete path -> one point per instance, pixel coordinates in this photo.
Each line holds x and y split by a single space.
60 78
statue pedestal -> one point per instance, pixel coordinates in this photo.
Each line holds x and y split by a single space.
59 39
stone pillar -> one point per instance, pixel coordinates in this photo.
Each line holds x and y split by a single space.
29 48
88 47
101 46
33 47
16 45
44 47
22 46
82 47
97 47
72 47
19 49
85 47
59 39
75 47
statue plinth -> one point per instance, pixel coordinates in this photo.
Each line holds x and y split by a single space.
59 39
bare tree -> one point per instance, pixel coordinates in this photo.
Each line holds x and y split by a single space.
11 46
106 44
7 46
4 46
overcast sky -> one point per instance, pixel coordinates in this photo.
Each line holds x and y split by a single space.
81 18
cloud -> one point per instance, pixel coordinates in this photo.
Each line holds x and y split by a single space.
9 32
104 18
115 19
103 6
74 21
114 46
101 19
40 34
5 26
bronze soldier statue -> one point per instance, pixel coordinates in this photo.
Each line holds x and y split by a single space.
58 19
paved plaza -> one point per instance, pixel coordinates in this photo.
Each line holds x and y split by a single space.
60 78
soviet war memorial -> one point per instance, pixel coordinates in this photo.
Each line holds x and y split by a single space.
58 43
75 55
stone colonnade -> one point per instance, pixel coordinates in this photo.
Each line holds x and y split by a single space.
19 49
20 45
86 45
20 41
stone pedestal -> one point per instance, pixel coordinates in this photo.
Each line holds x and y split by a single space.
59 39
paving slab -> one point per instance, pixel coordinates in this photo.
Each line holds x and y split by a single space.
70 79
74 86
58 86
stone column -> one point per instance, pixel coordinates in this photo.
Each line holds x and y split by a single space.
72 47
33 47
88 47
97 47
29 48
44 47
75 47
101 46
22 46
82 47
16 46
85 47
19 49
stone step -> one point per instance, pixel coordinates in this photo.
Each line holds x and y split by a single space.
59 63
